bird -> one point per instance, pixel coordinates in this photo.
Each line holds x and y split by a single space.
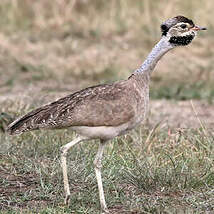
106 111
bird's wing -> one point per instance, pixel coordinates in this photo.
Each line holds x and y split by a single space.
102 105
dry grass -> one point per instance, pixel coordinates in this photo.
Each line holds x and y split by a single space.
100 41
51 48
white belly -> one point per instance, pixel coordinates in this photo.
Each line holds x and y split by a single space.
101 132
105 132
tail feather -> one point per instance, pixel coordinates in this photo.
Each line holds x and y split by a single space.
48 116
25 123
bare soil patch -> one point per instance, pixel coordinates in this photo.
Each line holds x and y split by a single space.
182 114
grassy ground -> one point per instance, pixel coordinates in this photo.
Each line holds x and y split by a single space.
52 48
142 173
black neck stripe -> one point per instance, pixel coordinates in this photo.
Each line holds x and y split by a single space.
181 40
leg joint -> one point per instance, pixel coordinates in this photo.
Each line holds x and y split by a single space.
63 150
97 163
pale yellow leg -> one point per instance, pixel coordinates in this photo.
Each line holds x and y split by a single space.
64 150
97 165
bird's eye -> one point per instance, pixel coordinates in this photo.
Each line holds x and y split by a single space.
183 26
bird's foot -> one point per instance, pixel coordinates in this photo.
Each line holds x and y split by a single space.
67 199
105 210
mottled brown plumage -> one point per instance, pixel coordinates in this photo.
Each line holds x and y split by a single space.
109 110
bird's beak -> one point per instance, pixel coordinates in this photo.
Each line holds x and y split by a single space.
197 28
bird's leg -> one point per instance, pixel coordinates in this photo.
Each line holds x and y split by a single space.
97 166
64 150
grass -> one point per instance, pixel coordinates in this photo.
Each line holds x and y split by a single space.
183 91
51 48
168 172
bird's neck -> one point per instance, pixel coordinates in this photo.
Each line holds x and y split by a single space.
162 47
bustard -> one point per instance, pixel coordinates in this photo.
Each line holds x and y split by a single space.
109 110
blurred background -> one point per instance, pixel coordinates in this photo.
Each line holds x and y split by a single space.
52 48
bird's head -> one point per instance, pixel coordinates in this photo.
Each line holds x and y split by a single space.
180 30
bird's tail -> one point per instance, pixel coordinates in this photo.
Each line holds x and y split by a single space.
25 123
